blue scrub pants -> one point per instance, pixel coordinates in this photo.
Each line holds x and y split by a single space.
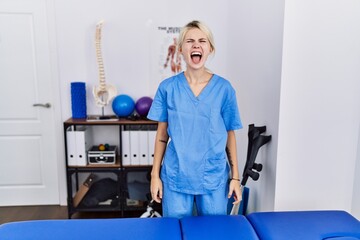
179 205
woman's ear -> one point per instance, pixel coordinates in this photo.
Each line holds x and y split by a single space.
211 48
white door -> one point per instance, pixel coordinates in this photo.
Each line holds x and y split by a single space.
28 164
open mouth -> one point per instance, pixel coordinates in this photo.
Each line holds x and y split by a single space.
196 57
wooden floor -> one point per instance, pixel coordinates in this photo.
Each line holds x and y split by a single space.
23 213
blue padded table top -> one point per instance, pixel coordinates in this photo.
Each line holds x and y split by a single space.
89 229
217 227
303 225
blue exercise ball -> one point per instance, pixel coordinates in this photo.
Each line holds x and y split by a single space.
123 105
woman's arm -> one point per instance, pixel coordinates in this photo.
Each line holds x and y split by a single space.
161 140
234 187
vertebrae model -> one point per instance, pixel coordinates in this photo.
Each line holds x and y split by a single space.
103 93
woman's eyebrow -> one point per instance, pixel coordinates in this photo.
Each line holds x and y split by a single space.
191 39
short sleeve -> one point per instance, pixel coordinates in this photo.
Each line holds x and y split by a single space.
230 112
158 109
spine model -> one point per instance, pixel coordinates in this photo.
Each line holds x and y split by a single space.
103 93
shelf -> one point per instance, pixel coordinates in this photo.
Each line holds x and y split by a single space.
116 165
137 166
75 173
156 207
120 121
97 209
97 166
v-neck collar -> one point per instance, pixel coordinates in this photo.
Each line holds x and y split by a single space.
204 92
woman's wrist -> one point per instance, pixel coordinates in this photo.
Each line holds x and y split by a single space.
155 174
235 179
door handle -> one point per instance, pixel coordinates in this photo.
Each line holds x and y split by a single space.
46 105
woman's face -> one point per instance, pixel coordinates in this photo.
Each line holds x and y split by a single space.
195 49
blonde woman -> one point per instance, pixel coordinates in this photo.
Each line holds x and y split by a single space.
197 111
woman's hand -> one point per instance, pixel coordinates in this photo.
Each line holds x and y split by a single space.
234 189
156 189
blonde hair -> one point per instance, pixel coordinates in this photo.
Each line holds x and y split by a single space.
198 25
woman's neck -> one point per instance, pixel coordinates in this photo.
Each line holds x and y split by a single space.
197 76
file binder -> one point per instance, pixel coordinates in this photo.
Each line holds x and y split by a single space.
151 148
83 143
143 147
125 147
78 142
135 147
71 146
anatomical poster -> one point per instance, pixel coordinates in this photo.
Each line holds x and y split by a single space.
165 57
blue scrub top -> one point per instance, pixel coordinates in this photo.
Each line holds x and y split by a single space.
195 160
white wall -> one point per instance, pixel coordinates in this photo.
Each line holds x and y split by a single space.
319 106
126 43
126 39
254 52
317 96
356 197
